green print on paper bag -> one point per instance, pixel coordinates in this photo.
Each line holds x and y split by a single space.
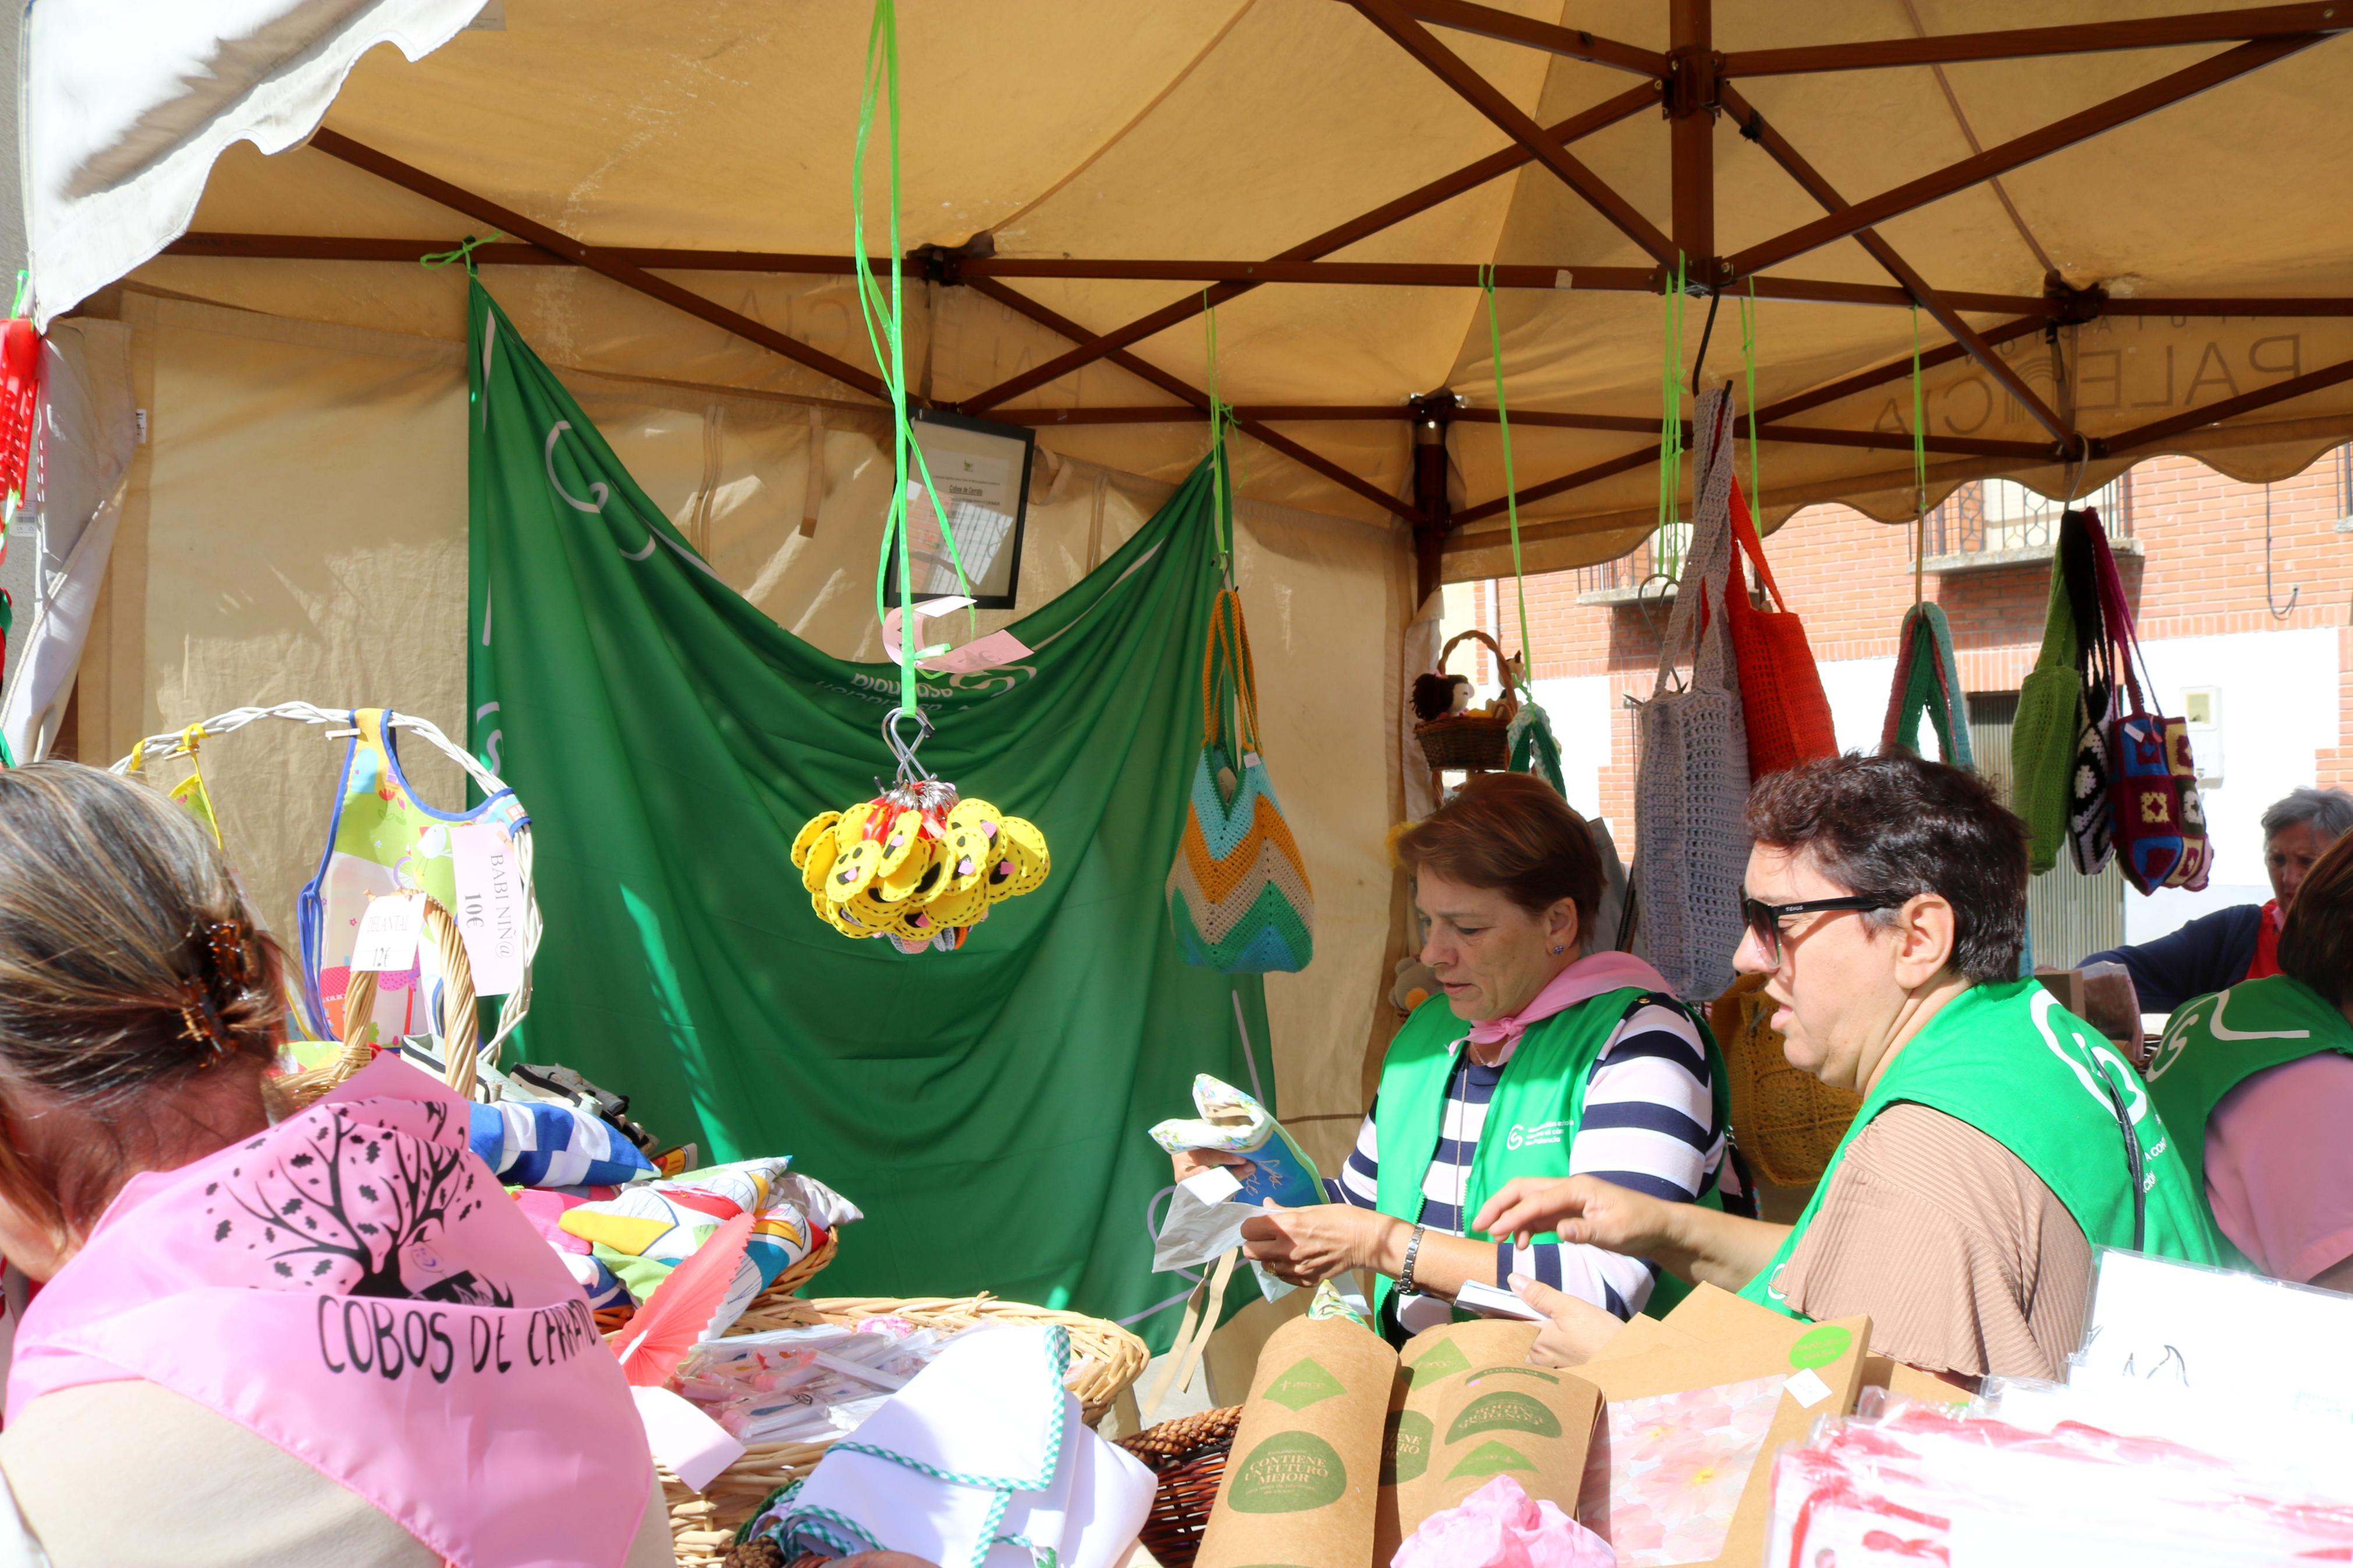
1303 1385
1509 1411
1291 1472
1404 1447
1491 1459
1444 1362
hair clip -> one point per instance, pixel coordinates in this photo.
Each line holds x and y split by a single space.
201 1023
231 959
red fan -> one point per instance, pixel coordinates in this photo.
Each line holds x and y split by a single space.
676 1316
20 387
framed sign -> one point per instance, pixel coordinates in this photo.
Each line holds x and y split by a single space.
982 472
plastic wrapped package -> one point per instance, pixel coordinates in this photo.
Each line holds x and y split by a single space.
805 1385
1923 1485
1231 1122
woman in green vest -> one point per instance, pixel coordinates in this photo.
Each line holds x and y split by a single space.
1999 1138
1536 1060
2257 1084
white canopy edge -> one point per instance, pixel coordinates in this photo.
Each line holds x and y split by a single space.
119 140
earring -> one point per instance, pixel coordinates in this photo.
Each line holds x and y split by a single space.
1558 949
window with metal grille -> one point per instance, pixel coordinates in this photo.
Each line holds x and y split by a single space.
2000 517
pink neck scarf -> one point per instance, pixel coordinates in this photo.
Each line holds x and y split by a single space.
1595 975
353 1286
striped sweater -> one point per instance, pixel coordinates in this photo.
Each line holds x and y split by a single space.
1649 1125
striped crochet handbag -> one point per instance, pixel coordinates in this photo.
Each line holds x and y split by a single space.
1238 894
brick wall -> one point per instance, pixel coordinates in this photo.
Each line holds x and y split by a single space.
2199 574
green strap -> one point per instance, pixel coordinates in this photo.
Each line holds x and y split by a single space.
885 331
1919 423
1749 361
1220 415
463 256
1511 488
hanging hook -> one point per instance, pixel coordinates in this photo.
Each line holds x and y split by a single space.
2279 612
910 770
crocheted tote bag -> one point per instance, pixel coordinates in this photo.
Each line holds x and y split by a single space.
1787 716
1238 896
1691 784
1927 684
2048 723
2160 821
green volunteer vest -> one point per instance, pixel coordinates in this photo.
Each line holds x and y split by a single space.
2216 1043
2005 1057
1538 1105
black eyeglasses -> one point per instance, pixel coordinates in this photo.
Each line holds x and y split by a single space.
1765 919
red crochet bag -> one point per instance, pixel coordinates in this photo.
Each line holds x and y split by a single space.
1782 701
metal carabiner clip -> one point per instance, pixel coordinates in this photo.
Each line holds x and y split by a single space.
910 770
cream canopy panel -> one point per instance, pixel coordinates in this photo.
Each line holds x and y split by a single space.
2162 266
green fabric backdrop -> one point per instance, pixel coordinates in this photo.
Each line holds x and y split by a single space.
986 1108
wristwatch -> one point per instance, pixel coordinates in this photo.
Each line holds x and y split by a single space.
1412 1251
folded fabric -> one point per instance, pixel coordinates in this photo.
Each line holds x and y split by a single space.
981 1461
539 1144
545 1207
1231 1122
1499 1526
646 1229
1090 1518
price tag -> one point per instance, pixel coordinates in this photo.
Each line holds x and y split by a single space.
489 905
1214 1186
388 930
1807 1388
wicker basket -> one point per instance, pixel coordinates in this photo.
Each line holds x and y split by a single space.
1788 1122
1105 1359
1188 1458
1476 743
460 1034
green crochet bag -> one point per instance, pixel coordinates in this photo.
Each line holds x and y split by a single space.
2050 720
1928 683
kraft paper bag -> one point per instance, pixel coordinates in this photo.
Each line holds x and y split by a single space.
1530 1422
1301 1481
1467 1408
1680 1473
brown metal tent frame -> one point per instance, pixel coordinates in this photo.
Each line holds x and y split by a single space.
1690 84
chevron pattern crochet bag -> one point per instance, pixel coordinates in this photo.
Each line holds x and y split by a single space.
1238 896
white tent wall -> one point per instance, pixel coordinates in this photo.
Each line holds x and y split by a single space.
295 528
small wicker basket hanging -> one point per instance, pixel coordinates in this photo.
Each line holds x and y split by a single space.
1475 742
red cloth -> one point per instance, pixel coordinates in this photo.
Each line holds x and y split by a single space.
2267 934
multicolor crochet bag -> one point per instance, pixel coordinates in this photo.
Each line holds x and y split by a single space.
1238 894
2160 821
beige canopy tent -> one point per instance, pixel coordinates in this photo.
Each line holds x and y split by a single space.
2123 231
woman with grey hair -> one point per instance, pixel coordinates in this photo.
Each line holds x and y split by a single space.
2216 951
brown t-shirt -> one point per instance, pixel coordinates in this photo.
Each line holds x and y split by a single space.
1963 1259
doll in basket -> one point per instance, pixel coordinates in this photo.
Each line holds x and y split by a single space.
1438 695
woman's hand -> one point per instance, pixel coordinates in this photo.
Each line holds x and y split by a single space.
1576 1332
1191 1162
1579 1209
1309 1246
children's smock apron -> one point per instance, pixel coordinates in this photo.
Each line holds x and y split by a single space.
381 840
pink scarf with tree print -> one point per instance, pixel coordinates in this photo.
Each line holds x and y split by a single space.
354 1286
